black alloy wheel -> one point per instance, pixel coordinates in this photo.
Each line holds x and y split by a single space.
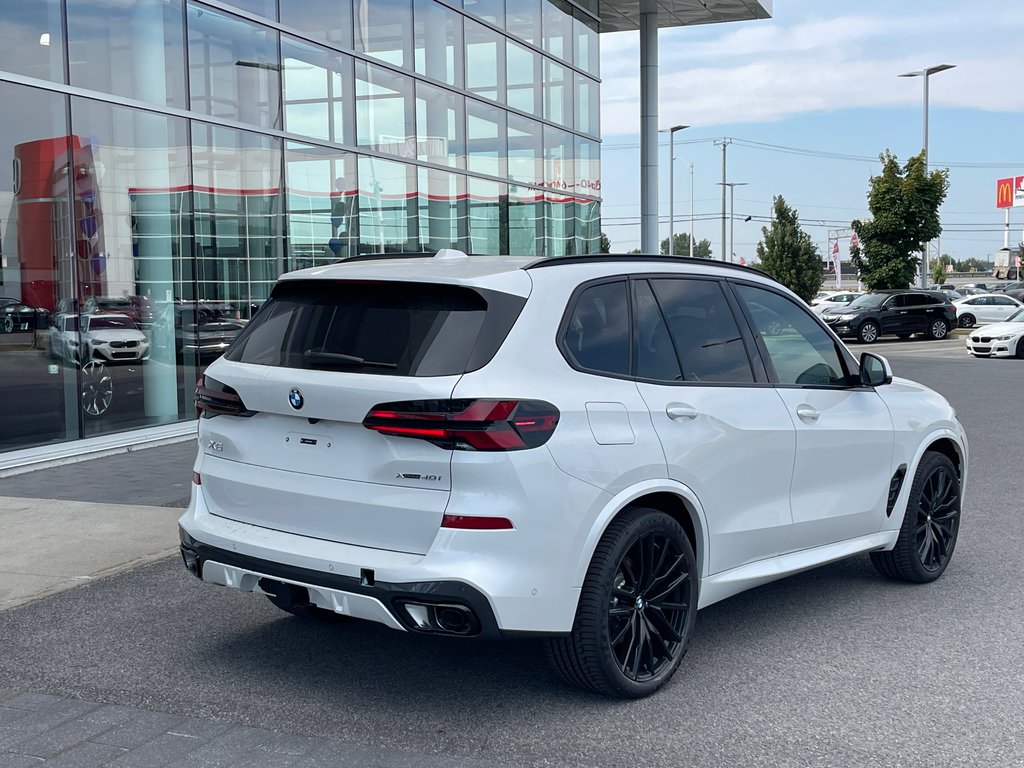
868 333
636 611
930 527
966 321
938 330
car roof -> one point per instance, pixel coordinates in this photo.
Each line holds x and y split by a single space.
508 273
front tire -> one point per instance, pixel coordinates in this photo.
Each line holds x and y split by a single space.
636 611
930 525
868 333
1020 348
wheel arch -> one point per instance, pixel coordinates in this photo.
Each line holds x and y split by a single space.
943 441
674 499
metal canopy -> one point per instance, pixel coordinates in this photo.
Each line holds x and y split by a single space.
622 15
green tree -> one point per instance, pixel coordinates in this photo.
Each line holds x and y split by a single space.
605 245
788 254
701 248
938 272
904 203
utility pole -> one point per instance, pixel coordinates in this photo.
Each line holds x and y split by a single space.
672 185
732 212
724 143
691 211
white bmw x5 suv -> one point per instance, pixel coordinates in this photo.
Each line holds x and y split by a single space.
586 448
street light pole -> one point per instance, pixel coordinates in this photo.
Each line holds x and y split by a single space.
732 212
924 74
691 210
672 185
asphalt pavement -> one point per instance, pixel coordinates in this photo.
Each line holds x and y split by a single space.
832 667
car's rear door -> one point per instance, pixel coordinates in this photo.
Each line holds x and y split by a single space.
725 433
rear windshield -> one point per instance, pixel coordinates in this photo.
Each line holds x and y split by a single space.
390 328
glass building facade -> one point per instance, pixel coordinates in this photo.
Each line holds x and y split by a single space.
163 161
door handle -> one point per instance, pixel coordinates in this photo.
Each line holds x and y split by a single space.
678 411
807 413
903 311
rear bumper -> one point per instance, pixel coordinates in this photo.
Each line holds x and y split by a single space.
361 597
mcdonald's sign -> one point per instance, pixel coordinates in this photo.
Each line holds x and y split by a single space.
1004 193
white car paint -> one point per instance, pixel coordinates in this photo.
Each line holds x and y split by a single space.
840 299
110 337
767 494
985 308
1004 339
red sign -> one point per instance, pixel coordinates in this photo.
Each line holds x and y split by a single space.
1004 193
835 248
854 241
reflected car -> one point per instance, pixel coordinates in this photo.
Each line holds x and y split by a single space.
202 330
108 337
1005 339
138 308
16 316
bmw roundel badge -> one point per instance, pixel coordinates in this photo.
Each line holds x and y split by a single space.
295 398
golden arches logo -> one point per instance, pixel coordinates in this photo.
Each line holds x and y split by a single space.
1004 193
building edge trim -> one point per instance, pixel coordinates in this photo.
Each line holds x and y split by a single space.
45 456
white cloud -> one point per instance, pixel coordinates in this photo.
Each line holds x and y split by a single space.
769 70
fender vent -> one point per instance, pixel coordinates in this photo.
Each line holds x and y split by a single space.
894 488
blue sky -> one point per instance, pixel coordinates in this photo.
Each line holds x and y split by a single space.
822 76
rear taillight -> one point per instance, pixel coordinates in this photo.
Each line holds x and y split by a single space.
468 425
214 398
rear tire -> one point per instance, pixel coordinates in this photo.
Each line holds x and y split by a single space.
966 321
636 611
930 527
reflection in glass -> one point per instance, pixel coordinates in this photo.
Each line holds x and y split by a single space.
485 138
557 93
523 20
588 226
440 126
559 170
444 217
525 221
264 8
560 225
388 220
586 55
322 215
39 401
523 78
31 39
588 107
385 117
329 21
438 43
133 213
557 25
133 49
234 71
588 167
488 217
383 29
316 84
525 150
237 223
485 61
488 10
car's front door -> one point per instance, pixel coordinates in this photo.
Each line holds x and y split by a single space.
844 433
725 433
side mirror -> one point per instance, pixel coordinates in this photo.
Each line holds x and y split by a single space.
874 370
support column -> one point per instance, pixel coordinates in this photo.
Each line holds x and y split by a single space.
648 127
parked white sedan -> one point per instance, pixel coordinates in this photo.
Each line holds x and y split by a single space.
841 299
984 308
109 337
1005 339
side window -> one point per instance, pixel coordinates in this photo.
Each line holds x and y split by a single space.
703 330
1002 301
894 301
655 353
597 336
803 353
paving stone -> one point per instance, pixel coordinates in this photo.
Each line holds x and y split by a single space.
158 752
139 730
87 755
340 755
66 735
10 715
195 728
36 702
52 715
290 744
19 761
225 749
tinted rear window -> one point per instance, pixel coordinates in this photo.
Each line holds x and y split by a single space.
390 328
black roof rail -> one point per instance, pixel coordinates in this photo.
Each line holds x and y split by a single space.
384 256
599 258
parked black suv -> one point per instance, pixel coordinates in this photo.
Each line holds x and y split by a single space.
898 312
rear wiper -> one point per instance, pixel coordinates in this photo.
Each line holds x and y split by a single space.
335 358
